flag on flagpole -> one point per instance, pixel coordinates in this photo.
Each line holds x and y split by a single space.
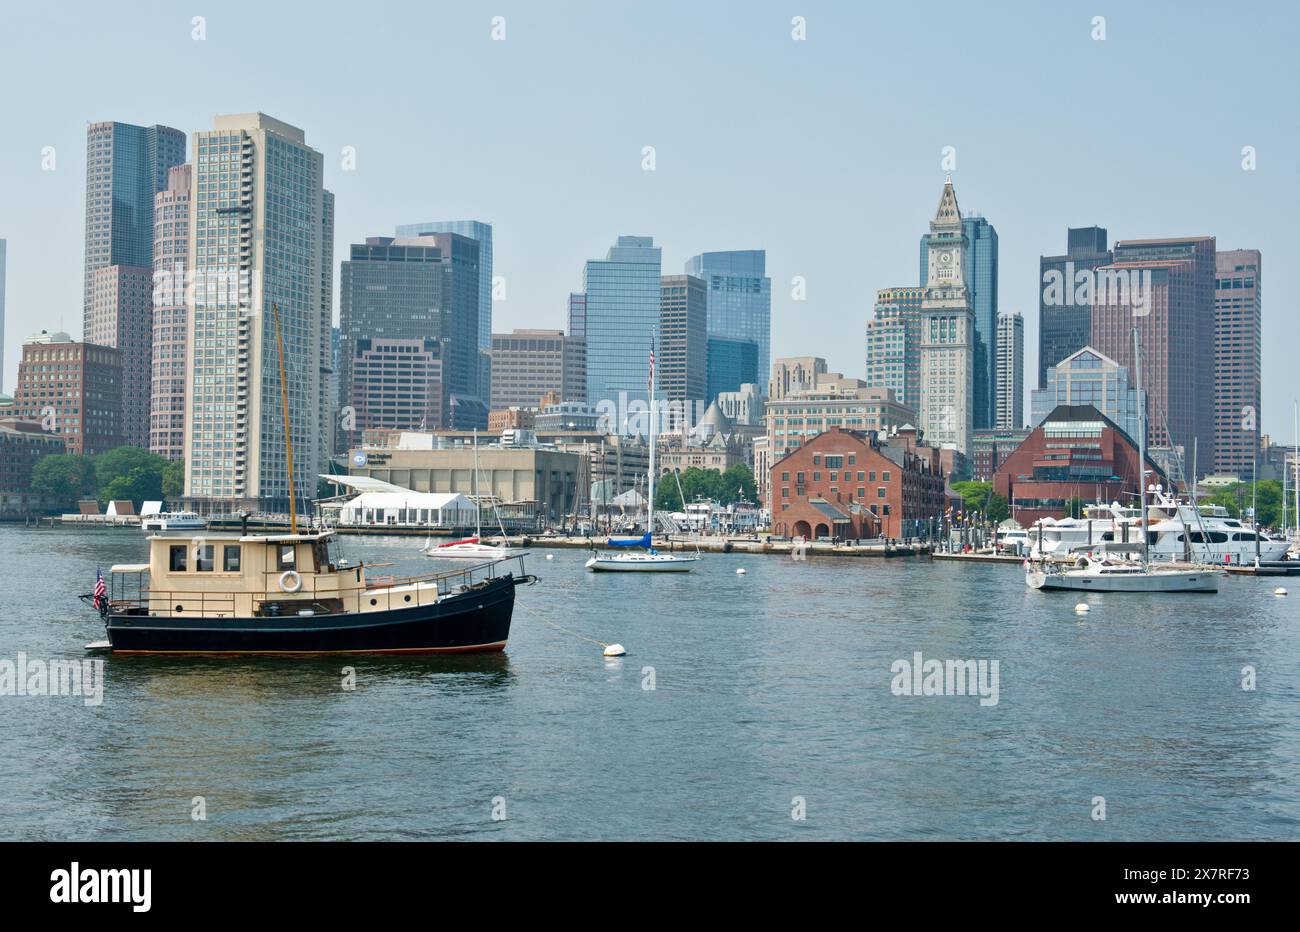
101 591
650 379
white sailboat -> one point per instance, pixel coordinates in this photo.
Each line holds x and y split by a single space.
639 555
474 548
1119 573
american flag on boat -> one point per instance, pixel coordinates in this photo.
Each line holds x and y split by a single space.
101 591
650 379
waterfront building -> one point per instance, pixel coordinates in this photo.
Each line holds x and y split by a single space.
1075 453
1166 288
481 233
72 389
739 299
1088 377
854 485
258 242
730 364
126 165
682 353
1238 338
420 288
947 345
542 483
1064 323
527 364
23 443
991 447
1009 391
623 296
171 245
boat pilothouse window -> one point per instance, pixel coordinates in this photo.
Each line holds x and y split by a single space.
288 557
230 558
176 558
205 560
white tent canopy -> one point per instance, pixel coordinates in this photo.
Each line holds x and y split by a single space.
404 507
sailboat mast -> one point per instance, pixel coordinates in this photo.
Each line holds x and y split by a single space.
650 484
1142 443
1295 463
478 508
288 437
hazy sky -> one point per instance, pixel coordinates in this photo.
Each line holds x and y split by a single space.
825 152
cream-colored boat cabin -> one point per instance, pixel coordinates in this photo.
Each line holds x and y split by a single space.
268 575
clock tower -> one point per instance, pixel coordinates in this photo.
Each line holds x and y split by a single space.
947 332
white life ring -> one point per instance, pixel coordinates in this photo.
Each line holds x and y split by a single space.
290 581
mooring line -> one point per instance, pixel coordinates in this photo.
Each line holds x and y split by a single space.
561 627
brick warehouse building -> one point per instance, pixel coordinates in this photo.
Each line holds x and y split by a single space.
857 484
1077 452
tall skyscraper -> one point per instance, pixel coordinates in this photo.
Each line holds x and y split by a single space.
422 287
1238 320
527 364
171 246
256 244
739 297
481 233
121 316
126 166
729 364
947 332
1166 288
682 353
623 296
1064 323
980 273
1010 383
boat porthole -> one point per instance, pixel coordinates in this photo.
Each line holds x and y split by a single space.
180 608
407 598
374 602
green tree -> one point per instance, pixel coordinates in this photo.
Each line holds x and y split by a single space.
129 473
173 480
998 509
1074 508
64 477
974 494
737 483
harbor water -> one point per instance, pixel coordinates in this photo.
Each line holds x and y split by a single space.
762 705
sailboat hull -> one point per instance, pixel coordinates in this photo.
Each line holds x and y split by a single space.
1081 581
641 563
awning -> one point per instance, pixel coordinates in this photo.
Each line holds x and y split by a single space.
830 511
129 568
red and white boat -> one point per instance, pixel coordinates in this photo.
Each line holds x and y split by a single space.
474 548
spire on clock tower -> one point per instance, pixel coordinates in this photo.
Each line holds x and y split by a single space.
948 216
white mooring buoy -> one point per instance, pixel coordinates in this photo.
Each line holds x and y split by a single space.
550 556
1083 608
614 650
1279 591
740 571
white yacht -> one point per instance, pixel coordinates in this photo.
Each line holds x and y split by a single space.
165 521
1113 574
474 548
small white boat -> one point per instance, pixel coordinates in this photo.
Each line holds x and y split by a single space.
1109 574
165 521
470 548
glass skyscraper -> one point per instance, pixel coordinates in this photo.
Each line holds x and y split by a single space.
731 364
740 298
126 166
482 234
981 277
1088 377
1064 327
623 295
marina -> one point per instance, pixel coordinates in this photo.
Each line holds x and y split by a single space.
784 691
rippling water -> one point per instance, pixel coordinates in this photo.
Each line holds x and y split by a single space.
767 686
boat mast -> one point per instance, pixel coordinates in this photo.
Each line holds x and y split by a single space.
478 508
1142 443
650 483
1295 463
288 438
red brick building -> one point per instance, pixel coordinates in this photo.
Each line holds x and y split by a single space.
857 484
72 389
1077 452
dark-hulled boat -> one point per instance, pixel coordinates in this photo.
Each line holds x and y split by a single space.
285 594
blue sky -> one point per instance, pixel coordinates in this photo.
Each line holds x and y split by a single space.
825 152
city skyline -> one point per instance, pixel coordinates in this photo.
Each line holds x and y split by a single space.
553 206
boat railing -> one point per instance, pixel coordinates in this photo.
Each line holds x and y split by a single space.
320 594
